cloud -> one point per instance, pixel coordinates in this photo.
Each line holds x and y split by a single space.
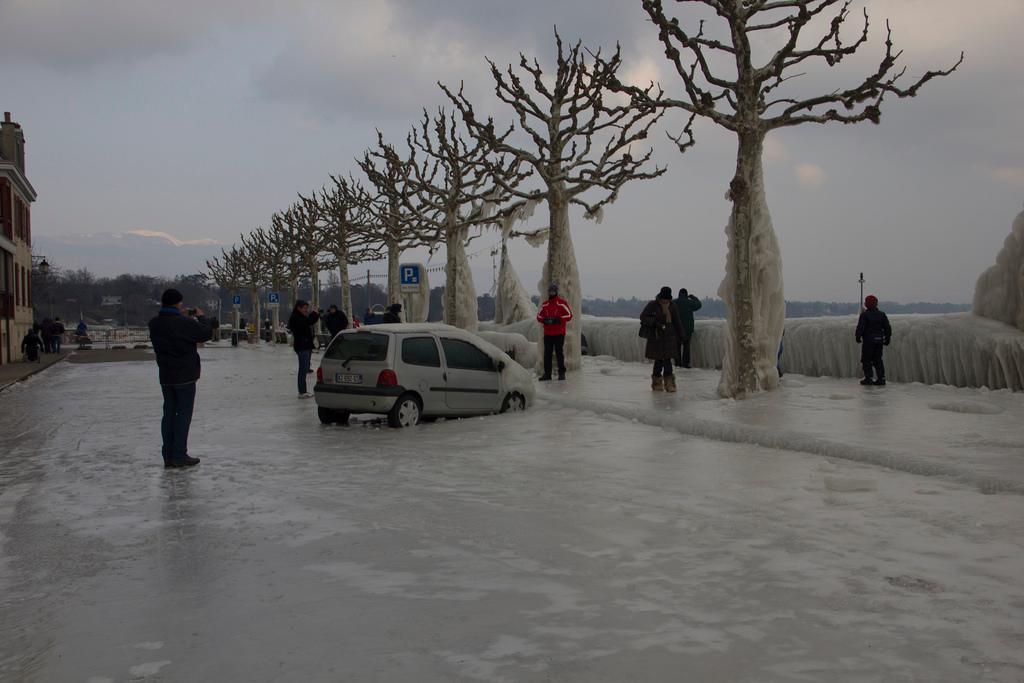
1008 175
77 34
810 176
775 151
174 240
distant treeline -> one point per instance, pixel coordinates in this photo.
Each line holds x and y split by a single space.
72 294
715 308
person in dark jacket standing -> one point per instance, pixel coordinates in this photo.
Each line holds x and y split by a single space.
301 324
664 328
554 315
56 334
335 320
30 345
175 333
46 333
873 332
686 304
393 314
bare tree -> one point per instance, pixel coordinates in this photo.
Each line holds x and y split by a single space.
578 140
455 188
347 230
254 275
226 273
388 202
276 254
747 100
305 222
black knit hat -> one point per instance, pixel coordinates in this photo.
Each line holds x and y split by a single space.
171 297
665 293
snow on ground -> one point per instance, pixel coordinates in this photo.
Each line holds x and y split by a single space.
556 544
958 349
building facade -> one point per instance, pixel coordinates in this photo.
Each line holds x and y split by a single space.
16 197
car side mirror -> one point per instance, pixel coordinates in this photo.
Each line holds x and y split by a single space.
501 365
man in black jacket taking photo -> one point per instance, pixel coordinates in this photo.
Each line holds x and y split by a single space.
175 331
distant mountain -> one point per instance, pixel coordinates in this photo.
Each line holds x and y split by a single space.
108 254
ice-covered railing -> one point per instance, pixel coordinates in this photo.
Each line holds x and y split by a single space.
959 349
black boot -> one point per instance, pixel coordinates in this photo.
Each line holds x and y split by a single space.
187 461
545 378
867 381
880 382
561 374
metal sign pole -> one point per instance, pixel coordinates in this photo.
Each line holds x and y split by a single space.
861 281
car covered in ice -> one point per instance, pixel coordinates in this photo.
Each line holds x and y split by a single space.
413 371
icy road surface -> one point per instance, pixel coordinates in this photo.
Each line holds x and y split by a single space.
555 545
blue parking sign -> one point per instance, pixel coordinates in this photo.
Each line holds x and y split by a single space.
410 274
274 297
236 300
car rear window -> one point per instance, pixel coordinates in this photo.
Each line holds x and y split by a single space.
421 351
465 356
359 346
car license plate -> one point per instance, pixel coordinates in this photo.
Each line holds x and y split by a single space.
348 378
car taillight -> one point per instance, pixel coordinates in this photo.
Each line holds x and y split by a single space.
320 375
387 378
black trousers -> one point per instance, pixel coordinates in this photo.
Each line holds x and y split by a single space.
684 360
554 343
663 366
871 360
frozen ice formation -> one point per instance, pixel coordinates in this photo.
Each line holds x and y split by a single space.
999 293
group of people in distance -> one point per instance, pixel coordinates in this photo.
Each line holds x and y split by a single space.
668 327
46 336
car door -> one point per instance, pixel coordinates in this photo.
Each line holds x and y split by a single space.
472 378
421 371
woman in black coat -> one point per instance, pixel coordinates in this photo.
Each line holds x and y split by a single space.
301 324
664 330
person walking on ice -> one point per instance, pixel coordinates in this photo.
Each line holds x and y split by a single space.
554 315
30 346
661 322
873 332
301 324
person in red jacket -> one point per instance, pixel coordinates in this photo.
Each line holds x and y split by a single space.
553 315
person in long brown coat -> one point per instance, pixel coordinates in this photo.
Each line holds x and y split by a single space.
664 331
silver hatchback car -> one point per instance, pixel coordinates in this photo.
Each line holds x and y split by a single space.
411 371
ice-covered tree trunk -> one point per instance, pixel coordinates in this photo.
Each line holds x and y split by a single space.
236 312
254 311
999 292
394 281
512 303
560 268
346 282
460 307
752 287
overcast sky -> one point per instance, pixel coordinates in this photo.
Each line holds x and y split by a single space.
200 118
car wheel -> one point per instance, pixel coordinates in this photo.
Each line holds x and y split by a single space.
405 412
513 403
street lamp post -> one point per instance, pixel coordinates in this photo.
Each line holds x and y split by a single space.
861 281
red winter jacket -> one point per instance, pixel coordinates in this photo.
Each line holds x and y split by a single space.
554 308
